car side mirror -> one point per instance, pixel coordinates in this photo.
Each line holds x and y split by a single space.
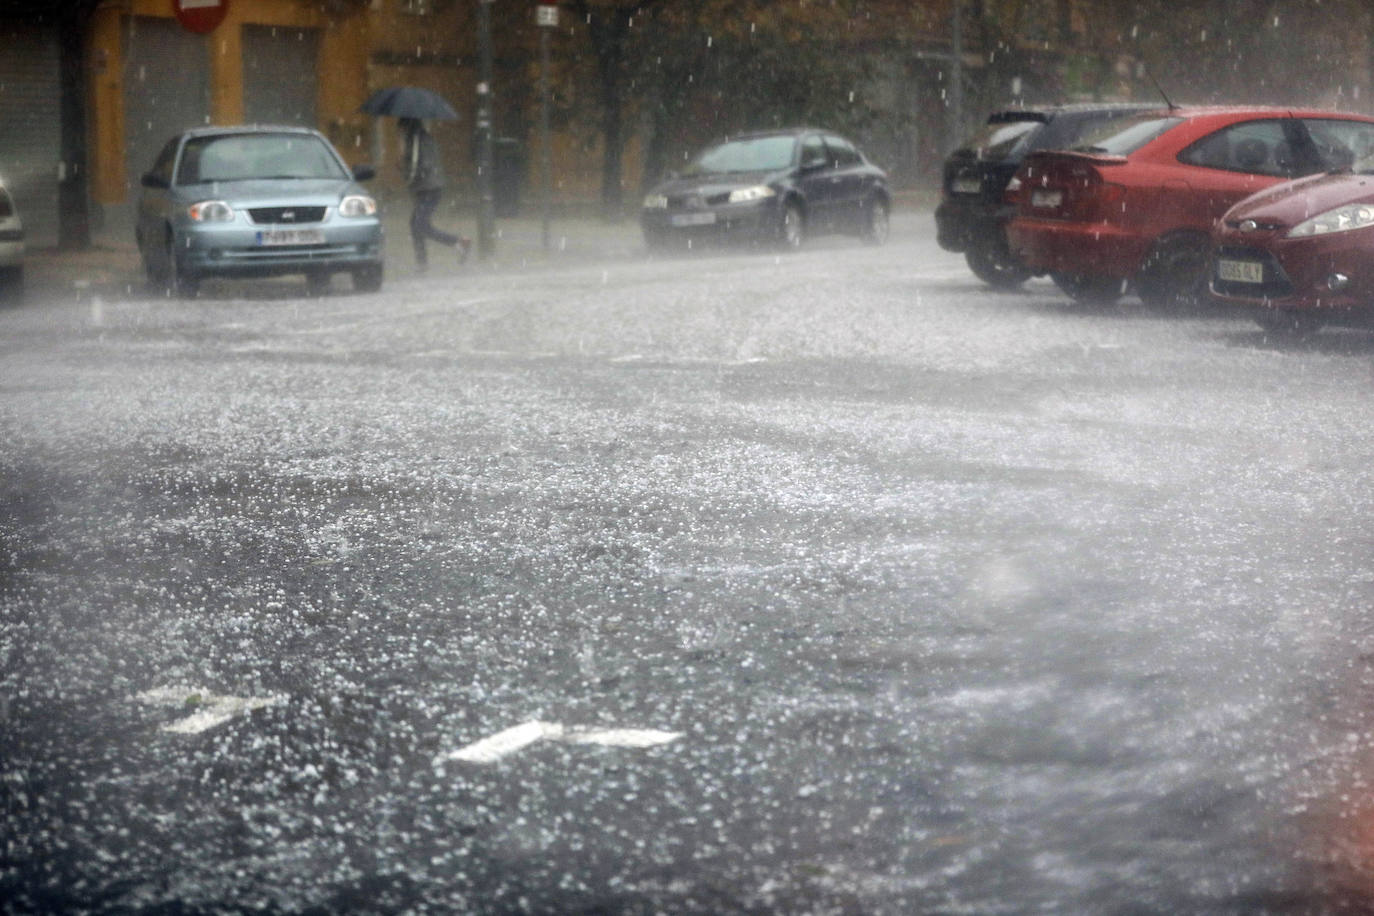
364 172
150 180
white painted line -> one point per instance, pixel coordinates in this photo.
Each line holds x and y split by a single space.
620 737
504 743
501 744
211 710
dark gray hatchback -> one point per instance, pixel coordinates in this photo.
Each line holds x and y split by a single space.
972 215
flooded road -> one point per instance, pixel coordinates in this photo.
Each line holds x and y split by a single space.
723 583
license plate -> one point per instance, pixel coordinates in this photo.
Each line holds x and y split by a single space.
966 186
1240 271
1043 198
291 237
694 219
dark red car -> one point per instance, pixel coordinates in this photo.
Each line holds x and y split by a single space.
1301 253
1134 205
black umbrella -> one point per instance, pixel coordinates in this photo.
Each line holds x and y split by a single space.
409 102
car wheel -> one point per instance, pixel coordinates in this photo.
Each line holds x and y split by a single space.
657 241
1088 288
1175 273
11 282
178 281
317 283
992 262
367 279
877 226
1289 323
792 227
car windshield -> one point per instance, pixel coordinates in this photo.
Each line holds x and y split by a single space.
1125 136
756 154
1001 140
240 157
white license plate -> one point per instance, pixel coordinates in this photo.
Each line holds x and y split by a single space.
694 219
1240 271
291 237
966 186
1043 198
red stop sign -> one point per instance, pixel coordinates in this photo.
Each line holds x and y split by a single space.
200 15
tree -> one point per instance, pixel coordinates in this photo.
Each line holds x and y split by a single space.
693 69
609 24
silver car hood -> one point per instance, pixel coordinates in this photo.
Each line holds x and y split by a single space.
268 192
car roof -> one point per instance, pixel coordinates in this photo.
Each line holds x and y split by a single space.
1049 112
226 129
777 132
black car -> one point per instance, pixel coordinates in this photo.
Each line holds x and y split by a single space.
775 186
972 216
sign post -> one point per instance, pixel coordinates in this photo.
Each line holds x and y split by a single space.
201 16
546 17
486 204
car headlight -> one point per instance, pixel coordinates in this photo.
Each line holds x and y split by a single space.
745 195
1341 219
211 211
357 205
656 202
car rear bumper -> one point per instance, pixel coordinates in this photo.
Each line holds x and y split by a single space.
965 220
1088 249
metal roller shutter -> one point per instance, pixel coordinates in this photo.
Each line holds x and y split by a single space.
31 125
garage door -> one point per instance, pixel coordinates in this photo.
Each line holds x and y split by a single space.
166 89
279 75
31 125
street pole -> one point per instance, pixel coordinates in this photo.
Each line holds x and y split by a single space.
547 18
486 211
955 117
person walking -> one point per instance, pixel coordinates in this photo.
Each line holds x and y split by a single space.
425 177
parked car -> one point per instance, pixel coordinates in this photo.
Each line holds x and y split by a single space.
11 246
257 201
1134 204
973 212
777 186
1301 253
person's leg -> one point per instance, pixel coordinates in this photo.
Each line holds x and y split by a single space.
419 219
429 202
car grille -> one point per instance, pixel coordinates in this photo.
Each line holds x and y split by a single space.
697 201
288 215
11 235
1276 284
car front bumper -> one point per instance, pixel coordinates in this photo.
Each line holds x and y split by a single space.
753 220
242 250
11 248
1329 273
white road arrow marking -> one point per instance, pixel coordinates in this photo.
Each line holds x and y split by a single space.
211 710
505 743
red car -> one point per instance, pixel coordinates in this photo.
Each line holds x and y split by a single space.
1134 205
1301 253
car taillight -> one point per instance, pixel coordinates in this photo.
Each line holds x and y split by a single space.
1011 194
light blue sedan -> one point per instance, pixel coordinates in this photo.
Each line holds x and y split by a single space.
254 202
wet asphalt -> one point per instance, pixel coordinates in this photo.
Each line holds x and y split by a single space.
727 582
